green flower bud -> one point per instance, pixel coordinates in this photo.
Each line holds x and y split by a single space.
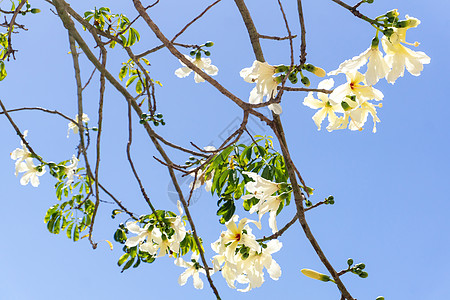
363 275
198 55
345 106
192 53
209 44
305 81
388 32
159 116
281 69
360 266
207 53
380 298
283 185
349 262
316 275
141 121
315 70
392 14
369 1
35 10
279 79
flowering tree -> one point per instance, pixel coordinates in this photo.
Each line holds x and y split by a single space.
254 178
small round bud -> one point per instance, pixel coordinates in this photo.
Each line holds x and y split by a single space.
156 123
209 44
305 81
361 266
159 116
141 121
349 261
35 10
191 158
345 106
207 53
380 298
198 55
363 275
192 53
392 14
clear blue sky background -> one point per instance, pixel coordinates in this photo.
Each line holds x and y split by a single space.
391 194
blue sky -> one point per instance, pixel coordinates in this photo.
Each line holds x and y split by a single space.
390 187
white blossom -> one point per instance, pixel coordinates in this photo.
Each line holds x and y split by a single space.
193 269
74 127
356 85
19 155
202 63
266 85
398 56
70 170
31 172
376 68
325 106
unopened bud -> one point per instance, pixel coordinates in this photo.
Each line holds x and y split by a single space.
207 53
35 10
281 69
192 53
198 55
315 70
305 81
315 275
392 14
345 106
209 44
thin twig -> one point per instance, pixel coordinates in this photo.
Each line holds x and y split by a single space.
303 31
279 232
277 38
194 20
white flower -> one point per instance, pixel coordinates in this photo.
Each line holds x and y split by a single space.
177 225
234 236
398 56
202 63
74 126
260 188
325 106
269 204
70 170
142 234
19 155
376 68
253 266
31 172
355 86
193 269
266 85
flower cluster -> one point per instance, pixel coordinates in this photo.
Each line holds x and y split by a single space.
352 98
156 241
24 164
240 258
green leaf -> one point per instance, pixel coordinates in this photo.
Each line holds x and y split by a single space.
139 87
122 259
123 72
69 230
76 233
130 80
128 264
